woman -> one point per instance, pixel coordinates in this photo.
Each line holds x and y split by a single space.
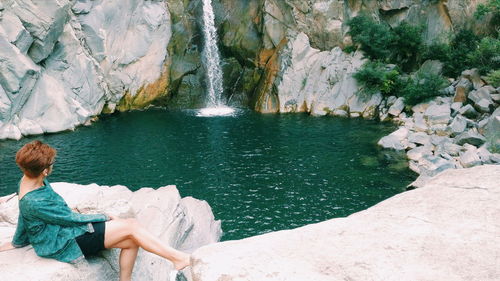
49 225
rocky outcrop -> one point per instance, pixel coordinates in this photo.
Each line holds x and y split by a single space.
447 132
63 62
318 83
447 230
183 223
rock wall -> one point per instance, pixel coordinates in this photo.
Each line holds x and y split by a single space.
184 223
64 62
447 230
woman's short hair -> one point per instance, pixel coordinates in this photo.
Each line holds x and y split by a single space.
34 157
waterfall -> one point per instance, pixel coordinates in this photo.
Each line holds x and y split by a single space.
211 57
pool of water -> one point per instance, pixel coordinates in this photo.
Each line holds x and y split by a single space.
260 173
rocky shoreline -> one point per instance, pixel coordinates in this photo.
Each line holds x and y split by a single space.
458 130
184 223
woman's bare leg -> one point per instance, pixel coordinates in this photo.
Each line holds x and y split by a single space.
120 230
128 254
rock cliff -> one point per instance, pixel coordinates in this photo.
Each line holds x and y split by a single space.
65 62
447 230
184 223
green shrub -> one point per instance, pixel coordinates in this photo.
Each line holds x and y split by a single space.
493 78
437 51
373 38
486 57
407 45
376 77
454 55
422 87
492 6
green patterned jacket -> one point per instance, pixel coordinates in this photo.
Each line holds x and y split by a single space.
50 226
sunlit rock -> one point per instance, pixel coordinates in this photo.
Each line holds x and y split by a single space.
183 223
446 230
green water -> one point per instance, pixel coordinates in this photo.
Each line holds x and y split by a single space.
260 173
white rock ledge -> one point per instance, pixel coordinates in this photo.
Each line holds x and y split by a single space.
447 230
185 224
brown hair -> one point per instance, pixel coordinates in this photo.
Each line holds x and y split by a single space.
34 157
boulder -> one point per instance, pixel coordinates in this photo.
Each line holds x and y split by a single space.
468 111
470 158
420 138
184 223
438 114
418 152
431 165
446 230
449 148
462 89
474 76
320 82
419 122
397 107
396 140
470 137
458 125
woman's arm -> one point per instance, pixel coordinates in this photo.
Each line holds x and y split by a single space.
52 212
20 238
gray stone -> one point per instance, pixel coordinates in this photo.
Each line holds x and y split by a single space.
495 158
484 154
474 76
438 114
439 129
449 148
420 108
458 125
455 107
468 111
470 137
418 152
419 122
420 138
492 130
391 100
340 113
449 91
484 106
495 97
397 107
395 140
462 89
470 158
82 7
431 165
183 223
445 230
432 66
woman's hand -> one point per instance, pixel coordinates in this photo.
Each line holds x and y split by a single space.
6 246
112 217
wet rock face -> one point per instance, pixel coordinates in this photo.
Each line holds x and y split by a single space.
184 223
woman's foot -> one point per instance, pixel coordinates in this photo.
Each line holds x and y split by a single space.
182 261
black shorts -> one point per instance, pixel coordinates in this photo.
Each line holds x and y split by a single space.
92 243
